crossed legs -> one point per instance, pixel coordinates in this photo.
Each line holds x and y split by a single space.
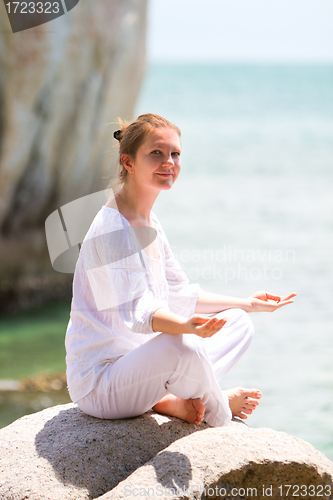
177 375
223 349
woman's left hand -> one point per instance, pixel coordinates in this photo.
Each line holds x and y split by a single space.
267 302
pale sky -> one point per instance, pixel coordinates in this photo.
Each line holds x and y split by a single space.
241 30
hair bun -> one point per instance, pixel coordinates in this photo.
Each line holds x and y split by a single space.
118 134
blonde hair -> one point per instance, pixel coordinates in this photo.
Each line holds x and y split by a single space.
131 136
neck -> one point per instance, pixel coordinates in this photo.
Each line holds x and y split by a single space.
136 201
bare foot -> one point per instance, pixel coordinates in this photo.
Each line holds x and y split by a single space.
190 410
243 402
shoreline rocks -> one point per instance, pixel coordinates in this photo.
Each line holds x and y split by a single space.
61 453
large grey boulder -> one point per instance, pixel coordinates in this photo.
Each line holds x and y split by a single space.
61 453
61 84
235 461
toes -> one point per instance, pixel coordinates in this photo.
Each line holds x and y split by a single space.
253 393
242 415
247 410
240 392
243 402
198 420
199 406
251 405
200 410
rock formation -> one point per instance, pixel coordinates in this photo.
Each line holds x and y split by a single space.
61 453
61 83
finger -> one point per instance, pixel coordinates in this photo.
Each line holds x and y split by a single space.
222 321
209 331
217 327
207 325
201 320
283 303
216 321
273 306
270 305
211 323
273 297
289 296
219 324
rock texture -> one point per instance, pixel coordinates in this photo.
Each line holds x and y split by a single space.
234 461
61 83
61 453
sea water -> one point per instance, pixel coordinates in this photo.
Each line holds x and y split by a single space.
253 210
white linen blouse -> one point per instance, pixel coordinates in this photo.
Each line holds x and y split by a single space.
117 287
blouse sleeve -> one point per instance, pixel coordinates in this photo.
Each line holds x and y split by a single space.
119 282
183 296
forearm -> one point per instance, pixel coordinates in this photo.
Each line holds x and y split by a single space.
168 322
214 303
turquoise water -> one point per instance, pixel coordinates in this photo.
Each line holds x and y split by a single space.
32 343
253 209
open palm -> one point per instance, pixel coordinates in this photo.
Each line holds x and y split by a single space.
267 302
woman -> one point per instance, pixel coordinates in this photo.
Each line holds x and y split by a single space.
140 336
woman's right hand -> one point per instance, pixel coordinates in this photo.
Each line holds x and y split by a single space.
202 326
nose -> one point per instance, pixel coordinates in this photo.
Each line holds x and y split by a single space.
169 161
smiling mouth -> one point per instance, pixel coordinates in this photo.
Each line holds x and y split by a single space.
166 174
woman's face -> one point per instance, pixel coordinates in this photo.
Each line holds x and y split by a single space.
157 162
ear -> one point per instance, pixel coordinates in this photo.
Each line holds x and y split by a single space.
126 161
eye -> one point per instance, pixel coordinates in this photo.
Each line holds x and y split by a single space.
176 153
156 152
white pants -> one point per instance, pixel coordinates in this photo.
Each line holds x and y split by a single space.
185 365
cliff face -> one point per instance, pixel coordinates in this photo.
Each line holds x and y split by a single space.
60 85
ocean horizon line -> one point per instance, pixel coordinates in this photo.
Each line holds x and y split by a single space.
240 63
